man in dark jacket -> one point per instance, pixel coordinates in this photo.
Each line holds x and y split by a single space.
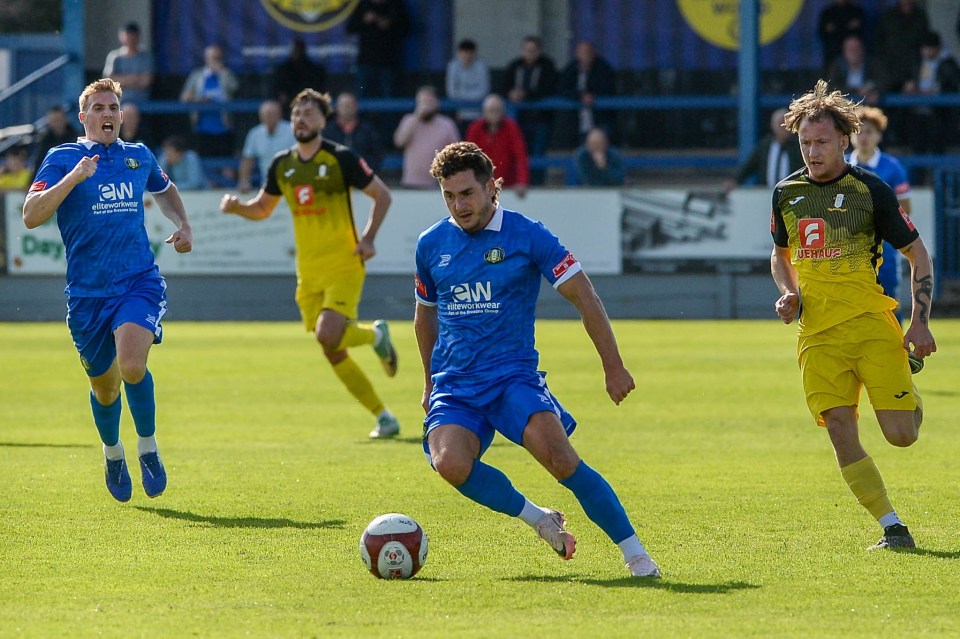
587 76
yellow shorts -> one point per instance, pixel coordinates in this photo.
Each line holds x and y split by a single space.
866 351
339 292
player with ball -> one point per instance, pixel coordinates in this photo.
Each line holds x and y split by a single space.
477 281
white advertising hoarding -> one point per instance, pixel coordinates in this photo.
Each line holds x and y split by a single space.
587 221
605 229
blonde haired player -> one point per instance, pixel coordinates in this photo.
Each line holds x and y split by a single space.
828 220
315 177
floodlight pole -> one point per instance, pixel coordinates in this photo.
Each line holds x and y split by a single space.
748 67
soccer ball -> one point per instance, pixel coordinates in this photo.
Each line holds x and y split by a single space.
393 546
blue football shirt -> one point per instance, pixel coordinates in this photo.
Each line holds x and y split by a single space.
485 287
888 169
101 220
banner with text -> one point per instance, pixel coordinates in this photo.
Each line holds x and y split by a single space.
609 231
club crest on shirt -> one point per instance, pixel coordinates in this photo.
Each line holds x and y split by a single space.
132 163
322 171
838 204
494 255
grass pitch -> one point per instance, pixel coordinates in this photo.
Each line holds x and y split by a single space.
272 480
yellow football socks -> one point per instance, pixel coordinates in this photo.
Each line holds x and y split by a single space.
865 482
356 334
359 386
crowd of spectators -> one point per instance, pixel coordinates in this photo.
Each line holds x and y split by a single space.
893 52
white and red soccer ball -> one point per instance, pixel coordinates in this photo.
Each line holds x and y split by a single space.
393 546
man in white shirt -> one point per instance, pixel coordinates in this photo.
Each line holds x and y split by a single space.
263 141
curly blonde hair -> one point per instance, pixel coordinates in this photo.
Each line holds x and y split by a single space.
822 103
103 84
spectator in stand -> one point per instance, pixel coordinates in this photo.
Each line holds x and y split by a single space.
297 73
380 26
587 76
57 132
131 66
348 129
420 135
838 20
853 73
213 82
937 72
897 42
181 164
467 80
528 78
598 164
130 129
776 156
264 141
500 137
15 173
867 154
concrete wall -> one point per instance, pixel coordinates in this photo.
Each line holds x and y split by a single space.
270 298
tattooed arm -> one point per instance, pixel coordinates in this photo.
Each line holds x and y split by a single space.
921 286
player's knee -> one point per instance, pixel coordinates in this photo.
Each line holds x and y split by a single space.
106 396
453 467
327 339
563 464
902 437
132 369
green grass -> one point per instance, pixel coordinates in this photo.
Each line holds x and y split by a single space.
272 480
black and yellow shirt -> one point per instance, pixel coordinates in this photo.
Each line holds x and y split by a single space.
318 193
834 231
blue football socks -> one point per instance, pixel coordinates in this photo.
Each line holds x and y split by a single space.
491 488
107 419
143 406
598 500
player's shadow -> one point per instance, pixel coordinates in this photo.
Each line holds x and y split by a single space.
634 582
242 522
397 440
39 445
939 554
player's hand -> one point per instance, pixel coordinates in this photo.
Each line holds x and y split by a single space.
182 239
229 203
619 384
919 337
787 307
85 168
365 249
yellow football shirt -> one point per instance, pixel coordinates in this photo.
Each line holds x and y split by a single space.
834 231
318 193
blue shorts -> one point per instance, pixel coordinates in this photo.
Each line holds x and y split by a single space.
503 407
92 320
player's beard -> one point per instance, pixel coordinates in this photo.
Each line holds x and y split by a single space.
307 136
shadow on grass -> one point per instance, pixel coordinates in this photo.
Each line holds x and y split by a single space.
939 554
33 445
241 522
658 584
396 440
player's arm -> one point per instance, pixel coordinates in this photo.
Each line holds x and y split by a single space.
579 291
785 277
380 194
41 205
427 329
921 286
258 207
171 205
246 173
